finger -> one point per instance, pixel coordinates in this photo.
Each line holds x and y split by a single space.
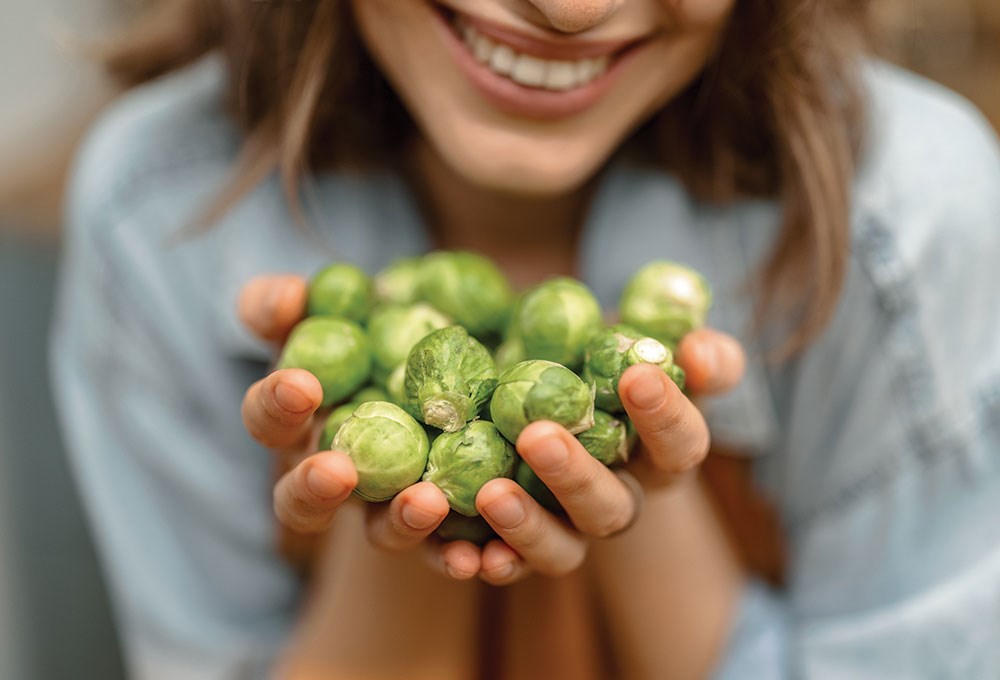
501 566
712 361
548 545
673 431
271 305
408 519
307 497
278 410
596 500
459 560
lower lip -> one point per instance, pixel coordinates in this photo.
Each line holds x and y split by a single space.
529 102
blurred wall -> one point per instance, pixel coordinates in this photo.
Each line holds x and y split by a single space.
50 94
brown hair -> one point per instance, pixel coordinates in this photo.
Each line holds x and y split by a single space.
777 114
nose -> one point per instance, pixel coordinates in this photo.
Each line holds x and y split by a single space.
576 16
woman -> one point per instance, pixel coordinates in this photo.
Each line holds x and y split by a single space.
556 136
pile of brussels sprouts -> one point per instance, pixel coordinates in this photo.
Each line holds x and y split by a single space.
437 365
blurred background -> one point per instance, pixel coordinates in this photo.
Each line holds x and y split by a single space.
54 619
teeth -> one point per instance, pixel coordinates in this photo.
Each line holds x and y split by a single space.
502 60
527 70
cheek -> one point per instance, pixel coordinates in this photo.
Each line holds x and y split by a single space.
701 14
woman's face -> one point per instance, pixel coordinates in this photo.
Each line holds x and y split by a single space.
530 97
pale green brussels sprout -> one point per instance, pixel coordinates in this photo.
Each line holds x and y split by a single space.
529 481
399 283
509 352
461 462
666 300
341 290
449 376
370 393
678 375
337 417
332 349
393 330
541 390
555 320
611 352
609 440
456 527
388 447
467 287
395 387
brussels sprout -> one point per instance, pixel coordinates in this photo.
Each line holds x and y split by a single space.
541 390
678 375
467 287
529 481
334 350
399 283
608 440
555 320
388 447
611 352
666 300
449 376
510 352
393 330
341 290
333 422
461 462
396 389
456 527
370 393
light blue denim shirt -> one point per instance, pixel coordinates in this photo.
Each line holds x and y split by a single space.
881 444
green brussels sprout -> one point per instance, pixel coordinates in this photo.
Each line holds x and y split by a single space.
467 287
555 320
529 481
541 390
341 290
678 375
370 393
666 300
333 422
608 356
456 527
334 350
449 376
393 330
395 387
389 449
608 440
461 462
399 283
510 352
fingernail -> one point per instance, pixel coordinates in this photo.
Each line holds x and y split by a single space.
552 454
507 511
323 484
502 572
291 399
647 393
418 519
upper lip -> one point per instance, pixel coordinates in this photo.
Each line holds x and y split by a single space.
561 49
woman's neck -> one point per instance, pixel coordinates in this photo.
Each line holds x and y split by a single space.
530 238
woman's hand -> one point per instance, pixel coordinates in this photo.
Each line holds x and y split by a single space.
281 412
599 501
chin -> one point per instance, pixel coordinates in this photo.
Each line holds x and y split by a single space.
539 171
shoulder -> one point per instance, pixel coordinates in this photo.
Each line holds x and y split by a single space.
931 162
170 130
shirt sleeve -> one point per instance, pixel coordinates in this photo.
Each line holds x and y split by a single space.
890 479
177 494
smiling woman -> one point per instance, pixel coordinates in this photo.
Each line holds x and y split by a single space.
556 138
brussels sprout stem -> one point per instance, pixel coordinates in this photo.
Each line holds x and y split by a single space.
446 412
648 351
